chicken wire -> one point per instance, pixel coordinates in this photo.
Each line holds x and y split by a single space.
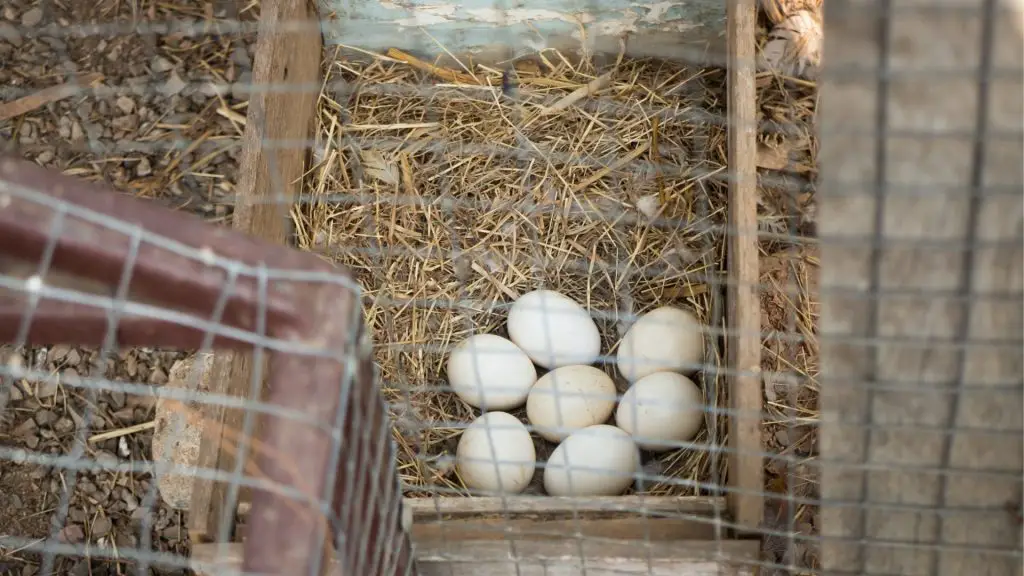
919 456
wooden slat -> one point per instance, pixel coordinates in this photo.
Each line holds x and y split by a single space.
655 518
746 472
922 284
549 507
565 557
270 175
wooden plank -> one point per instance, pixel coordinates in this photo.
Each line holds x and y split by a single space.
743 308
551 507
270 177
425 509
623 517
543 558
922 291
646 529
558 25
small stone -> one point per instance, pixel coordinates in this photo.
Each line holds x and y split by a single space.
32 442
76 131
126 414
45 157
10 34
174 85
782 437
47 388
64 425
125 123
101 527
161 64
125 104
25 428
210 89
77 515
59 352
32 17
72 534
130 501
240 56
71 376
143 168
106 459
45 417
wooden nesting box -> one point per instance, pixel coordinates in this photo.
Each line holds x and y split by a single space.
464 536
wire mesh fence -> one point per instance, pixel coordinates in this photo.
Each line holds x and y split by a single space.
512 330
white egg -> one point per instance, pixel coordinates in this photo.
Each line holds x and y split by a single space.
490 372
661 409
569 398
496 454
553 329
598 460
665 339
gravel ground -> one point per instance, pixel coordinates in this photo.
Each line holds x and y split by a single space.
163 123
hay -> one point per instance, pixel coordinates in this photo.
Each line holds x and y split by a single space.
447 200
790 311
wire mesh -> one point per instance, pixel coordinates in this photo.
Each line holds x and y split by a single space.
452 187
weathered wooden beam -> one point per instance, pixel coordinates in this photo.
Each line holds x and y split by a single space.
270 177
743 305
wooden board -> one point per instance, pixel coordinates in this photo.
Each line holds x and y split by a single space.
551 507
921 278
565 557
271 168
650 518
743 305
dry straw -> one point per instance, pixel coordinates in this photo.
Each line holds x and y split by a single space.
450 192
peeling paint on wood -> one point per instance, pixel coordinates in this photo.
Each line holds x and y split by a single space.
522 28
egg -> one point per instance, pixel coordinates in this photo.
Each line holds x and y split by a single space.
553 330
597 460
490 372
496 454
665 339
569 398
661 410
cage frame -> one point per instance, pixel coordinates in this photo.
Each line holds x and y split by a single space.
443 530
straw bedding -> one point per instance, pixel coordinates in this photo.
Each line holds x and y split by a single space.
448 196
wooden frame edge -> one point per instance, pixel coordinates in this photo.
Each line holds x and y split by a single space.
568 557
266 171
743 306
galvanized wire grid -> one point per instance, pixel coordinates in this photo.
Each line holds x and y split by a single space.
792 541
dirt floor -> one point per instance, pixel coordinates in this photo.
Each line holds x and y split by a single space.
162 123
155 127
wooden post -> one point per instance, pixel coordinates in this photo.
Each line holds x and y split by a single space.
922 267
282 104
743 346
